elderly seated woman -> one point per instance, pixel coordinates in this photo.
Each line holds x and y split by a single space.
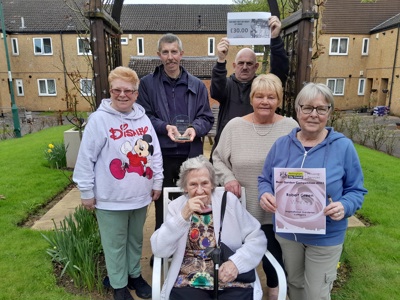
193 225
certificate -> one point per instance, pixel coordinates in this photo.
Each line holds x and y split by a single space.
300 198
249 28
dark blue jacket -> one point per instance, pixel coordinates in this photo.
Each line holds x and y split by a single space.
153 98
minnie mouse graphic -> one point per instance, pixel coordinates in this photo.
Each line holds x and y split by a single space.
139 161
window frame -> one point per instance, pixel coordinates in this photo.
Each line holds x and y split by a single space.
14 46
335 87
78 40
19 86
46 80
337 52
42 46
124 41
361 87
365 44
211 44
83 90
140 40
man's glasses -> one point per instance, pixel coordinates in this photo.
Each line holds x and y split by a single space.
118 92
321 110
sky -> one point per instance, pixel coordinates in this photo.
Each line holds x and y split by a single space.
178 2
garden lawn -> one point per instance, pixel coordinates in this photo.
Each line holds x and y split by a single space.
373 253
26 182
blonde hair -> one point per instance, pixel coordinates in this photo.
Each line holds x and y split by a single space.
267 82
126 74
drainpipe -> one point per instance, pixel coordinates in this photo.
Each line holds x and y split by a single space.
394 63
14 108
64 69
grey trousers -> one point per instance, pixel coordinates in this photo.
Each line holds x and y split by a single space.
311 270
122 240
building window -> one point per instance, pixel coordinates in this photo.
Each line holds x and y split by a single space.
211 46
336 85
365 47
20 87
339 46
47 87
84 46
124 41
42 46
259 49
86 87
361 86
140 46
14 46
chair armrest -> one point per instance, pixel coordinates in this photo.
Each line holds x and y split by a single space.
281 275
156 280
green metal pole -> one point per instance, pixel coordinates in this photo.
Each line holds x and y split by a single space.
14 108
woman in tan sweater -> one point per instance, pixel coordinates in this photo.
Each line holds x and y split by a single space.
239 157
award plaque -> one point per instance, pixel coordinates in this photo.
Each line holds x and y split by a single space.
182 123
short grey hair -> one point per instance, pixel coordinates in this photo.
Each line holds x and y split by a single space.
169 38
196 163
311 91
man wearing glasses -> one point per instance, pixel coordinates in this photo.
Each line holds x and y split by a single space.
177 104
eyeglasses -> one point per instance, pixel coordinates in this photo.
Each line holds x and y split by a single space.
321 110
118 92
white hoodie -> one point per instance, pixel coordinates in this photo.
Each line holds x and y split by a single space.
116 164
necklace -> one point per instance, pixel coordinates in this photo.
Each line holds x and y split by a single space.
261 134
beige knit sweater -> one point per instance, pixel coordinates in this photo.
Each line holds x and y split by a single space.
241 153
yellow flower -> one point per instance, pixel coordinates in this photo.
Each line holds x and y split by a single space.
49 150
338 265
51 146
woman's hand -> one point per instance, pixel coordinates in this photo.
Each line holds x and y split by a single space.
195 204
89 204
268 202
335 210
234 187
155 195
227 272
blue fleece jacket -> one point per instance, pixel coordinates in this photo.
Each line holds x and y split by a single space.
345 180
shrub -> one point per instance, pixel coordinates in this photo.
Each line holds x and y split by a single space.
76 246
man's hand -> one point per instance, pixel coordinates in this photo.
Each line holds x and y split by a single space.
275 26
222 49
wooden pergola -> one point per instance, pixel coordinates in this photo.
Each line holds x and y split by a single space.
105 32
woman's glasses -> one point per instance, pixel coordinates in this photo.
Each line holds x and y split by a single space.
321 110
118 92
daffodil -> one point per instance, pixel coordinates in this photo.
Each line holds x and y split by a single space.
49 150
338 265
51 146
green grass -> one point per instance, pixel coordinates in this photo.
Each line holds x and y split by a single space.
373 253
27 183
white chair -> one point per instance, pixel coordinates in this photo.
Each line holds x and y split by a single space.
157 279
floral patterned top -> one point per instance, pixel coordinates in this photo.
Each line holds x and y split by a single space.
197 268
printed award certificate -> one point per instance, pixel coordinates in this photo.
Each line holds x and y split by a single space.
301 198
249 28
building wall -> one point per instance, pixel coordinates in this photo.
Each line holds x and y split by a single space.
376 68
29 67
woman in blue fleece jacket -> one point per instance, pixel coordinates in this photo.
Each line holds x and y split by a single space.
311 259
